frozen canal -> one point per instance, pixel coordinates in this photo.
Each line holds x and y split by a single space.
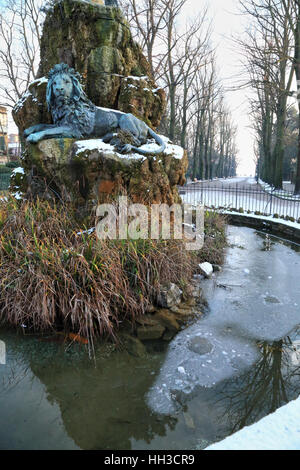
253 314
235 365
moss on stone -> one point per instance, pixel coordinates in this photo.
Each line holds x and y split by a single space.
92 176
97 42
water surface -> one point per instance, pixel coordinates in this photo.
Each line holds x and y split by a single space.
233 366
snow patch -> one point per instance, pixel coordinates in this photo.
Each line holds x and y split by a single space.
134 77
98 144
206 269
39 81
277 431
18 170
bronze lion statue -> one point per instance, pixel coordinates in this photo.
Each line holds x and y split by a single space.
75 116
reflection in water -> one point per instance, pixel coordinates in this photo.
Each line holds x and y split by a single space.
272 382
101 407
269 241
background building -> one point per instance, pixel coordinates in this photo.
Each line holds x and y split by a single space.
14 146
3 130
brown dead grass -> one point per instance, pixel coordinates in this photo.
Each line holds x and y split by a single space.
52 278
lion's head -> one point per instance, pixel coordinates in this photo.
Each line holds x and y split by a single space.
59 78
67 101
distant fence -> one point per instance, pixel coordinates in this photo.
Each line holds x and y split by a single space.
4 181
250 199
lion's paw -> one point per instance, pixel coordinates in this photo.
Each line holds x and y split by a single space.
33 138
126 148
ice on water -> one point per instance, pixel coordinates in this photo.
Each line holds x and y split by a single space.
261 303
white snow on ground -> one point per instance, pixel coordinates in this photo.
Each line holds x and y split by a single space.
282 193
277 431
232 180
251 181
259 202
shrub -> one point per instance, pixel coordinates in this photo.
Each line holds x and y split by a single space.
215 239
13 164
51 277
5 170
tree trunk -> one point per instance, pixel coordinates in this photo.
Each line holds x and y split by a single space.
297 181
297 72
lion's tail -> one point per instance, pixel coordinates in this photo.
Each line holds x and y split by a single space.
158 140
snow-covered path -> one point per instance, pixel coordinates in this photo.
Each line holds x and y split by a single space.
239 193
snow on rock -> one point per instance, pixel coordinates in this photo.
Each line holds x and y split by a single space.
134 77
19 170
22 101
266 218
277 431
97 144
39 81
206 269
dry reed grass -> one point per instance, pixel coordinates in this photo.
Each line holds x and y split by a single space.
53 278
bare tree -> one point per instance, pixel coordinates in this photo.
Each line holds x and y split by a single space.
212 133
147 21
271 40
292 12
175 52
20 36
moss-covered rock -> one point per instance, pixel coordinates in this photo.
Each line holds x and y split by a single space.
32 109
96 41
89 172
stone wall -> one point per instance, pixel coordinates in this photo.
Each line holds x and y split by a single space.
272 226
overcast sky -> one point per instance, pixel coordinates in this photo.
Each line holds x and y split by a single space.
227 22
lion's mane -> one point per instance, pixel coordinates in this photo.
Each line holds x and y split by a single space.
79 111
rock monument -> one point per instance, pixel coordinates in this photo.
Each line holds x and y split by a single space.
106 151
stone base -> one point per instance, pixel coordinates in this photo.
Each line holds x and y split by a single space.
88 172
